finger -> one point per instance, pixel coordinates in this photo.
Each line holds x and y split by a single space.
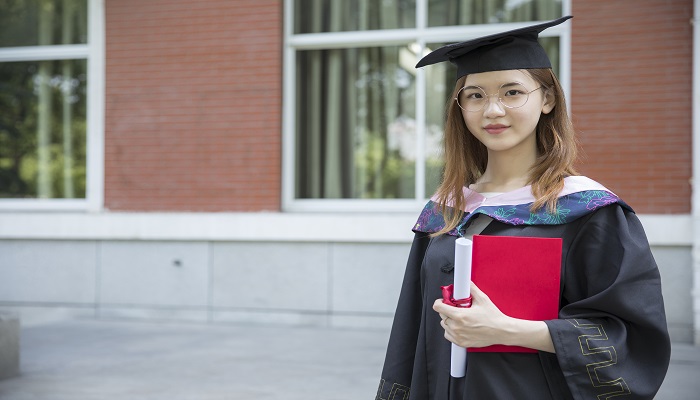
443 309
439 306
446 324
449 337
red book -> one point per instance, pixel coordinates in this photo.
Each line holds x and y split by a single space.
521 276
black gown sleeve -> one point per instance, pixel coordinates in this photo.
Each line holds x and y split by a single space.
611 338
401 350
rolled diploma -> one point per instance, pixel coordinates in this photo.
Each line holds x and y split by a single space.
462 280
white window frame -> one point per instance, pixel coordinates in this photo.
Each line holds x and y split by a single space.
94 53
420 35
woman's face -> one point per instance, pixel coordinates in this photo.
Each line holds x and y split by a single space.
498 127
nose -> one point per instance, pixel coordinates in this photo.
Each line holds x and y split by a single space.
494 108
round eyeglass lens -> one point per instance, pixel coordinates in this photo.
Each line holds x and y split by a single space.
513 95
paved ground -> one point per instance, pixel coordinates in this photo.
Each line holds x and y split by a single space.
110 360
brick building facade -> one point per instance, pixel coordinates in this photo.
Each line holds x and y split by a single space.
193 106
631 99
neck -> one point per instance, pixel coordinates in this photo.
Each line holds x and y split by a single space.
507 170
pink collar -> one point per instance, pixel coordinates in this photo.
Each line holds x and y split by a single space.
523 195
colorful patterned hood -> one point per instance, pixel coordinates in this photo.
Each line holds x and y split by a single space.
580 196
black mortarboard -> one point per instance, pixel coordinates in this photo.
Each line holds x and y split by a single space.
516 49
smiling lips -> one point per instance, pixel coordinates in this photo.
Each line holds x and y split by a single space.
495 129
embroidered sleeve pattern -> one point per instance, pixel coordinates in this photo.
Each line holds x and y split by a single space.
601 356
397 392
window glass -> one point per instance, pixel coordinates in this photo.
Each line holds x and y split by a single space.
315 16
470 12
42 129
42 22
440 80
355 132
355 115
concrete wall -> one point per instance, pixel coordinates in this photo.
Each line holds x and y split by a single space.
675 265
312 283
340 284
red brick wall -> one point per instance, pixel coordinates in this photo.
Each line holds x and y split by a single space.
193 105
631 98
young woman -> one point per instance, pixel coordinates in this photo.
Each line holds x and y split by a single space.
509 154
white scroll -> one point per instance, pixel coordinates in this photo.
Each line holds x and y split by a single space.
462 280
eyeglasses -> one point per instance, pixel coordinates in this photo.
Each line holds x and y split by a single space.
510 95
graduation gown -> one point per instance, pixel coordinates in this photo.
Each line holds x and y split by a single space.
611 337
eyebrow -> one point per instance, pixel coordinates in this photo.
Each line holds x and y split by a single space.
509 84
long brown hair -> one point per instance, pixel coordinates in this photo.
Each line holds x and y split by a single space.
466 156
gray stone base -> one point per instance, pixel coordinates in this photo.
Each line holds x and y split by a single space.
9 345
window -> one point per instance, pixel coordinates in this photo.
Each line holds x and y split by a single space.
363 127
46 59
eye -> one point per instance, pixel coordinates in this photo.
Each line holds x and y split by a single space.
514 92
474 95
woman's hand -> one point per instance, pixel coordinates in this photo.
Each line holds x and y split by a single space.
483 324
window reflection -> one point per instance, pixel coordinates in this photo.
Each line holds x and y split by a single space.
315 16
355 113
355 133
470 12
42 129
42 22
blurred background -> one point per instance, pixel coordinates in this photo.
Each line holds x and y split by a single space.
220 162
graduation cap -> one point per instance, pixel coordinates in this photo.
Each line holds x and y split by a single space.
515 49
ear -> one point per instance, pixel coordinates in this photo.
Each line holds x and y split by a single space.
549 103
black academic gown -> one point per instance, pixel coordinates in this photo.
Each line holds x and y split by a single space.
611 337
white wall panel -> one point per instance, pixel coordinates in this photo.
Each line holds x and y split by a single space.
276 276
154 273
47 271
367 277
